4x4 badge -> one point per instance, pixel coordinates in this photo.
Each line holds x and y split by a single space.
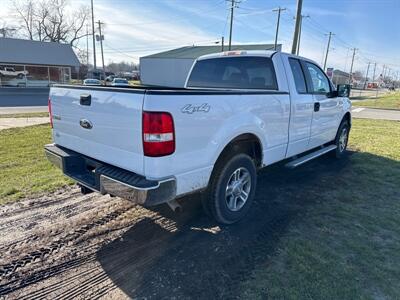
189 108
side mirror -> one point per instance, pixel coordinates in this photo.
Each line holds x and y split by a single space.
332 94
343 90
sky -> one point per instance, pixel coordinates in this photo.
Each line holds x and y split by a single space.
134 28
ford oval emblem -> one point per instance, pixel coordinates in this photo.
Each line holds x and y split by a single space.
85 123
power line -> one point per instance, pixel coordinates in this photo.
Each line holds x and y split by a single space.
175 18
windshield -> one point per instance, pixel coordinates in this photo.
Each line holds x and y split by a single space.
234 73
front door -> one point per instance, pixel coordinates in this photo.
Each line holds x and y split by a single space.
301 109
326 110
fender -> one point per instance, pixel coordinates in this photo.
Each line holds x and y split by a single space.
245 123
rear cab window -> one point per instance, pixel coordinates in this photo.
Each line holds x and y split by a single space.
298 75
246 72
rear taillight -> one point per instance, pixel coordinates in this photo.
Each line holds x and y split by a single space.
50 113
158 134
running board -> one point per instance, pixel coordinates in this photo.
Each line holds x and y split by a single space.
301 160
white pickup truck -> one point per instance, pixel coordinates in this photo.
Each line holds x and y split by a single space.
239 111
7 71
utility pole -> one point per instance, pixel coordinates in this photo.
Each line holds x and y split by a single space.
297 26
87 45
279 10
366 76
94 41
233 3
5 30
101 38
222 43
351 67
373 76
301 25
327 49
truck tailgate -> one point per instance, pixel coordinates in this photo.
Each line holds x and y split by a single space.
106 125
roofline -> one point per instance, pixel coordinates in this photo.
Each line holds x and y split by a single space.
35 65
35 41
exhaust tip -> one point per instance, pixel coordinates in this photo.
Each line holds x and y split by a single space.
175 206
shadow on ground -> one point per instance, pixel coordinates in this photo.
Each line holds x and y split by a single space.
191 256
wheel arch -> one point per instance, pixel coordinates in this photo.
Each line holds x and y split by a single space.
346 117
248 143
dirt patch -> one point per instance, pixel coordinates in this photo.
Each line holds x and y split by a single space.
68 245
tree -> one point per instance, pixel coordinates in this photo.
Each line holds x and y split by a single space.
122 67
49 20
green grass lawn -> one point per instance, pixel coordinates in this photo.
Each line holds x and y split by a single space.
344 242
26 115
388 101
24 170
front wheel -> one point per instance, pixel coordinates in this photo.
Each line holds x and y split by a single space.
232 188
341 140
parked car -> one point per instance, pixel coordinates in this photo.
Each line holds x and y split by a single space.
110 78
121 82
29 81
92 82
7 71
240 111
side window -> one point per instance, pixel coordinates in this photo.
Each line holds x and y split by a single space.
320 83
298 76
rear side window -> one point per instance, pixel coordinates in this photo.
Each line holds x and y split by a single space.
234 73
298 75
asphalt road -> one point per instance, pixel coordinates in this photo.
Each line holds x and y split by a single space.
12 97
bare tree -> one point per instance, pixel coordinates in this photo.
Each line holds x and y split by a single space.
49 20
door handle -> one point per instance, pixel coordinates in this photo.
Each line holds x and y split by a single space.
317 105
85 99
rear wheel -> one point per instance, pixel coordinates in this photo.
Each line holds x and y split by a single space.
341 140
231 190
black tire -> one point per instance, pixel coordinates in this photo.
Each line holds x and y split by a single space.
340 150
230 207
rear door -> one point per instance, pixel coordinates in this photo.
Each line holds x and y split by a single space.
104 124
326 110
